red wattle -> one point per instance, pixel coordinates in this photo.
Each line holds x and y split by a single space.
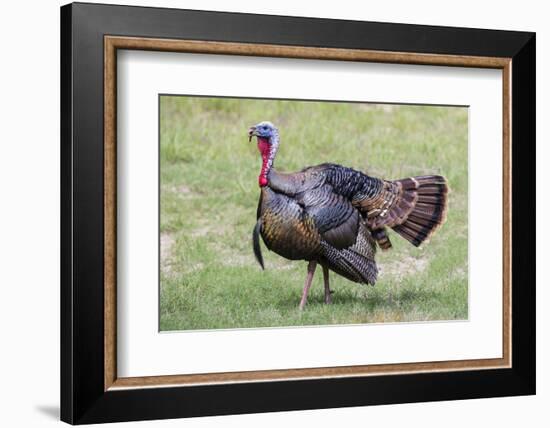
264 147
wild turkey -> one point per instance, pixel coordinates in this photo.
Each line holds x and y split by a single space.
335 216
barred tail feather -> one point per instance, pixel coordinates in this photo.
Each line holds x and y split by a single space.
429 209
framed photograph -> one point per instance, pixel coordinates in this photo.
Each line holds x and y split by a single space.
265 213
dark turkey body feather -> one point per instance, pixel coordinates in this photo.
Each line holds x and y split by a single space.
336 216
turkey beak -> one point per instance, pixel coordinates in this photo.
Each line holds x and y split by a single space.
251 132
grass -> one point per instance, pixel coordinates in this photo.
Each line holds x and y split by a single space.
209 195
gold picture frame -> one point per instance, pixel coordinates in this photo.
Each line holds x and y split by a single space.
113 43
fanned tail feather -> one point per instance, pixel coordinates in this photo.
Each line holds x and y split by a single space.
429 207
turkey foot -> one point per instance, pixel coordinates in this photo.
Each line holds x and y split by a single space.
328 291
310 271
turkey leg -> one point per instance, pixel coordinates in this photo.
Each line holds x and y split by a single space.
310 271
328 292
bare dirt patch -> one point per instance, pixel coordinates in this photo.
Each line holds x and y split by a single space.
166 244
207 227
386 108
183 190
405 266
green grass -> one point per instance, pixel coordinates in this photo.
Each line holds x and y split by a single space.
209 195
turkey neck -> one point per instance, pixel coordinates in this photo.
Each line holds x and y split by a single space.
288 184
